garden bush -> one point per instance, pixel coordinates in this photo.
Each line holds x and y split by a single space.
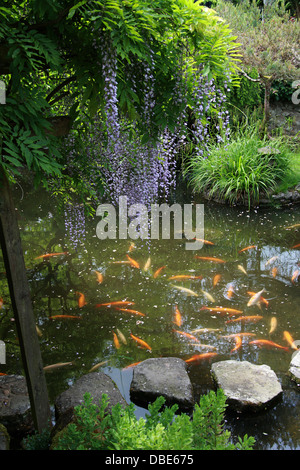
93 429
236 171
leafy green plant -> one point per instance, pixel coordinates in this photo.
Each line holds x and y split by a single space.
160 430
237 171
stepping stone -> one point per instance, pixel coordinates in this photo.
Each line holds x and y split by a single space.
248 387
165 376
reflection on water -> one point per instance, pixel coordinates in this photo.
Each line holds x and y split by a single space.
89 340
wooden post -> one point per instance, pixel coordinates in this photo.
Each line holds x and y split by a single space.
22 306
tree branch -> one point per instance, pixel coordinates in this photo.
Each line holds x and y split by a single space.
60 86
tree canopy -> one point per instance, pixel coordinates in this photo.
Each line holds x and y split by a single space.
51 63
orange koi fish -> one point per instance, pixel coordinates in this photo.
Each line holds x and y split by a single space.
133 312
115 303
131 365
238 343
187 335
289 339
141 342
116 341
158 271
248 318
81 300
274 272
131 247
177 317
296 246
216 279
247 248
230 292
72 317
133 263
1 302
49 255
184 276
210 258
2 373
295 275
99 277
199 357
223 310
206 242
268 343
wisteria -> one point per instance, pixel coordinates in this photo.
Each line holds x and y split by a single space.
144 171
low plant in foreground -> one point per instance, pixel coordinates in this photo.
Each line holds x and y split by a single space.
94 429
237 171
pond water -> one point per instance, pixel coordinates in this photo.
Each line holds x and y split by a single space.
89 340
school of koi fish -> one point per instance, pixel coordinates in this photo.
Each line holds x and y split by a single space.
256 307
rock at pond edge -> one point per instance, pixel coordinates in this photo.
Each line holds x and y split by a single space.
248 387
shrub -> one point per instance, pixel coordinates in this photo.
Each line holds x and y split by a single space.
236 171
93 429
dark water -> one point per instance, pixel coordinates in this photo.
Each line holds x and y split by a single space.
89 340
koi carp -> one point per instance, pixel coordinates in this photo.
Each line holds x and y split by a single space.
184 276
273 325
132 262
295 275
99 277
238 343
141 342
247 248
186 290
216 279
268 343
223 310
187 335
242 269
96 366
210 258
147 264
177 317
199 357
81 299
49 255
287 336
121 336
255 298
115 303
131 365
208 296
158 271
133 312
116 340
248 318
271 260
57 366
206 242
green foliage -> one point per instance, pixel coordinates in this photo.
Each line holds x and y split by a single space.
93 429
236 171
37 441
248 95
50 59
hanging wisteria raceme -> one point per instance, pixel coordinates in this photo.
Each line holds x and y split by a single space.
75 224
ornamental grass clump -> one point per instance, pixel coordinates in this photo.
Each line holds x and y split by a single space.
240 171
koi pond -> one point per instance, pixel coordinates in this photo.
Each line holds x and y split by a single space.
161 313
